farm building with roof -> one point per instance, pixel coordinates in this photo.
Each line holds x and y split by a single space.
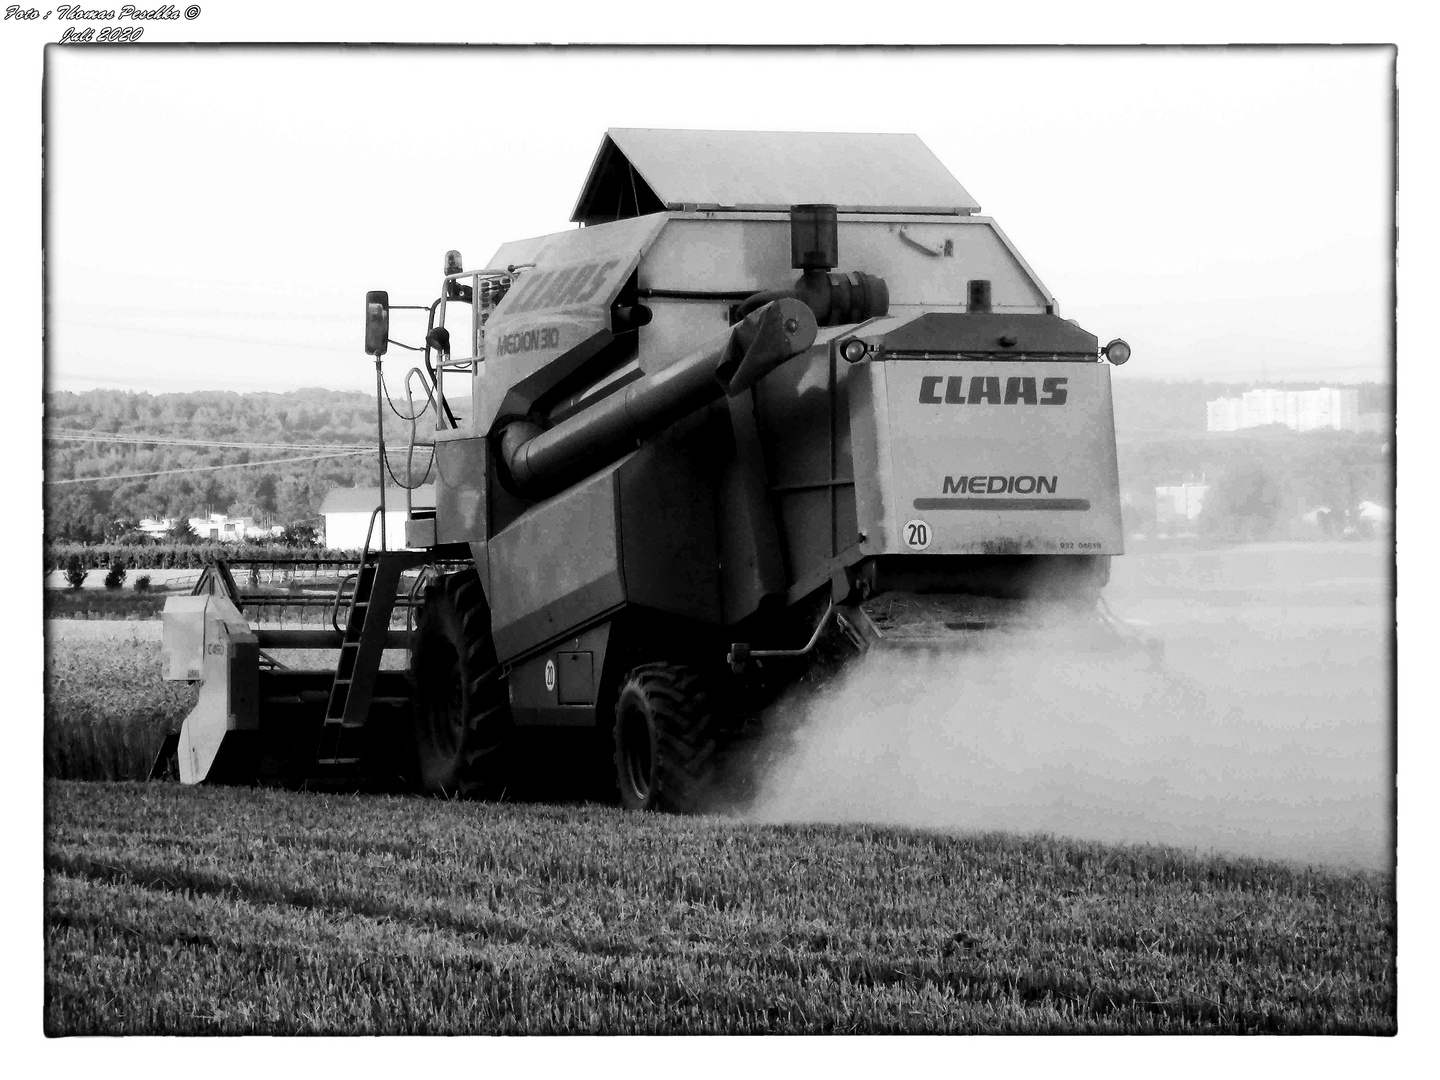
347 513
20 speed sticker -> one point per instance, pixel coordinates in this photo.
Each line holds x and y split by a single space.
917 534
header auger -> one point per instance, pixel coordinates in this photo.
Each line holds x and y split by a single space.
669 471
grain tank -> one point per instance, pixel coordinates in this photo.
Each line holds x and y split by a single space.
777 390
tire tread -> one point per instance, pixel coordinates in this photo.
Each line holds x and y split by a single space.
455 607
686 734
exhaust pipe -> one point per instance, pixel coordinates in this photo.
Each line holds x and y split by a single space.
835 299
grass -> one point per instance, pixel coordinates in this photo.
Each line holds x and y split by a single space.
176 910
107 710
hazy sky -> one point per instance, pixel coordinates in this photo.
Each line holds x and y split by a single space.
216 214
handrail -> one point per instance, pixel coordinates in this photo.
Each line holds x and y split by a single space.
369 532
364 554
480 313
335 609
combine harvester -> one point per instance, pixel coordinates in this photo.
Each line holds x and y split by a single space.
781 393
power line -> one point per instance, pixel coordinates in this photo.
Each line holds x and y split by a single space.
165 440
206 468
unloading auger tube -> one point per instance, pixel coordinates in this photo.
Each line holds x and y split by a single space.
540 461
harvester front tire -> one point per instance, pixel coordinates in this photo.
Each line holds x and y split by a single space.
666 738
461 703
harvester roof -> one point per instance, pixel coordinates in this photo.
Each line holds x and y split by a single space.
647 170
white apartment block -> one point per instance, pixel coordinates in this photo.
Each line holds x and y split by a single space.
1299 410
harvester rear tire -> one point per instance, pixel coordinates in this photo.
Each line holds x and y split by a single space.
461 703
666 738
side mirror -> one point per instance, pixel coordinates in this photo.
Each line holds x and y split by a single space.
377 322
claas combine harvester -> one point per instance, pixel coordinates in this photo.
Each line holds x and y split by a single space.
777 390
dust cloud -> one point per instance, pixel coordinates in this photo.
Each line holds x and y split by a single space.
1267 732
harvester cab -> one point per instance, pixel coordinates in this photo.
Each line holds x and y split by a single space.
778 389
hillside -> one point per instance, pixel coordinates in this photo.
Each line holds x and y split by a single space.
1262 479
1160 431
302 424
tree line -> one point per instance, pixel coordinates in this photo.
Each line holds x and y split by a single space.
287 493
1260 482
1260 479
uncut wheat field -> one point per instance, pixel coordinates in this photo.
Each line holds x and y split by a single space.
175 910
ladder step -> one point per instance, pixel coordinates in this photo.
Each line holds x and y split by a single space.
365 637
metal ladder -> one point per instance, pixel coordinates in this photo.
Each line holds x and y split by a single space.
362 644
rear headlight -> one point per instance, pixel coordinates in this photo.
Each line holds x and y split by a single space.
1117 352
854 351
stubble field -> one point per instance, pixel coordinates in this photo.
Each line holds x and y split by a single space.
233 911
174 910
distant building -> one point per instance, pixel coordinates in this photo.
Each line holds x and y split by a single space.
1178 506
231 530
1223 414
1375 516
1327 408
347 513
220 527
157 528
